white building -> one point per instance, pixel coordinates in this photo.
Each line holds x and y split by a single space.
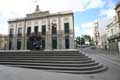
100 32
113 31
42 30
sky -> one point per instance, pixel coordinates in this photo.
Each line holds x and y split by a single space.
86 12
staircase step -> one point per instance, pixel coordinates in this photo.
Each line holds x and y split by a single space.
38 61
43 56
7 54
51 64
60 68
57 59
104 68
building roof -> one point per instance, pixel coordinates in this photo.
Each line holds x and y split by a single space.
39 14
117 5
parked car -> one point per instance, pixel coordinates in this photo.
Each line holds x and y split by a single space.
92 47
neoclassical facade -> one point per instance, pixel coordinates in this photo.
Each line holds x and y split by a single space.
42 30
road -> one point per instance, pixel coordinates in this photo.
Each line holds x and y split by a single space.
113 72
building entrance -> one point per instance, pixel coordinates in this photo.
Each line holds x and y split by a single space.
34 43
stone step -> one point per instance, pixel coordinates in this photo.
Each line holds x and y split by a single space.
61 68
47 61
40 51
43 56
57 59
50 64
104 68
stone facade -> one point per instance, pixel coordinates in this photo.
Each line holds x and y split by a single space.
113 34
114 31
96 34
3 42
42 30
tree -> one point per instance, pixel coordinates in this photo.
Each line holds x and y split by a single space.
78 40
87 38
92 42
82 41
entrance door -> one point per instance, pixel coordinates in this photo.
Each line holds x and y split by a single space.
54 43
67 42
43 44
18 44
35 43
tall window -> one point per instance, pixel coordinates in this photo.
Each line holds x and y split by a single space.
19 31
18 44
66 27
10 45
36 29
43 29
54 43
112 31
28 44
43 44
119 15
67 42
28 30
54 28
11 33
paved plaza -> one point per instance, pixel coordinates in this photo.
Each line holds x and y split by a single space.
14 73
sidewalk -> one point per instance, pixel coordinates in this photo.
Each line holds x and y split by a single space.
114 55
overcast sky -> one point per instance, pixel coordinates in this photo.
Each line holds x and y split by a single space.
85 11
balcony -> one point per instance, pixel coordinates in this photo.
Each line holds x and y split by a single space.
66 31
35 34
19 35
11 35
115 36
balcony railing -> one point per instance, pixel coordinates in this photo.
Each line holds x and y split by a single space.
19 35
35 34
10 35
115 36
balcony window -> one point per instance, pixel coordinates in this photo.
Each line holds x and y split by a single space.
28 30
66 27
36 29
43 29
54 28
19 31
119 15
11 33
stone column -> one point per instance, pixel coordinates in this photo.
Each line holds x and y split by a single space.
48 37
71 41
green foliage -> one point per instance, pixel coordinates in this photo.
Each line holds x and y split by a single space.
81 40
78 40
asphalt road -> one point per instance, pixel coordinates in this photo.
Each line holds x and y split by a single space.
113 72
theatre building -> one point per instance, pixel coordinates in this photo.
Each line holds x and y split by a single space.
42 30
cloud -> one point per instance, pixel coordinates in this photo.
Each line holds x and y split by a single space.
18 8
77 31
95 4
89 32
108 13
88 28
87 25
